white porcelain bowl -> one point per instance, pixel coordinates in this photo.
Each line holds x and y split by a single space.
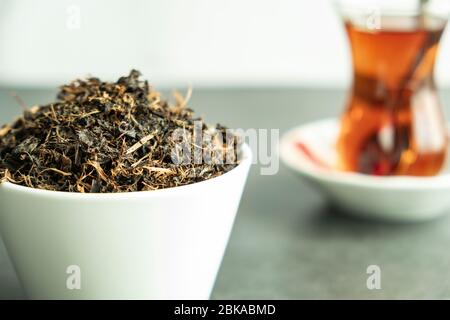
163 244
399 198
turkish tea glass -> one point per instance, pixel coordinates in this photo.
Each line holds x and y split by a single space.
393 123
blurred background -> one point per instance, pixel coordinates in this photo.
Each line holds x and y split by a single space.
175 42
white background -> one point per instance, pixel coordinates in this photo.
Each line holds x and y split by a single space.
175 42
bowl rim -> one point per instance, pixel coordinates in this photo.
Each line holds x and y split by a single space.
290 159
240 169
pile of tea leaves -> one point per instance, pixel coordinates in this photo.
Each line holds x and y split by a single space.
106 137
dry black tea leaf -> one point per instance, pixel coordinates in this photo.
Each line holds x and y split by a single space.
112 137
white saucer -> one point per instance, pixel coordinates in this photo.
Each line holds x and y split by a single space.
399 198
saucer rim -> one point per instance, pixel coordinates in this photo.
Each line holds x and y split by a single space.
290 159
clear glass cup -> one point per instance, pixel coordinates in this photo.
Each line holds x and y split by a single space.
393 123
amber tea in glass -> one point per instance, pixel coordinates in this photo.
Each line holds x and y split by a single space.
393 123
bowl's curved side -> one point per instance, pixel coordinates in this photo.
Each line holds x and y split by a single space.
394 205
149 245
